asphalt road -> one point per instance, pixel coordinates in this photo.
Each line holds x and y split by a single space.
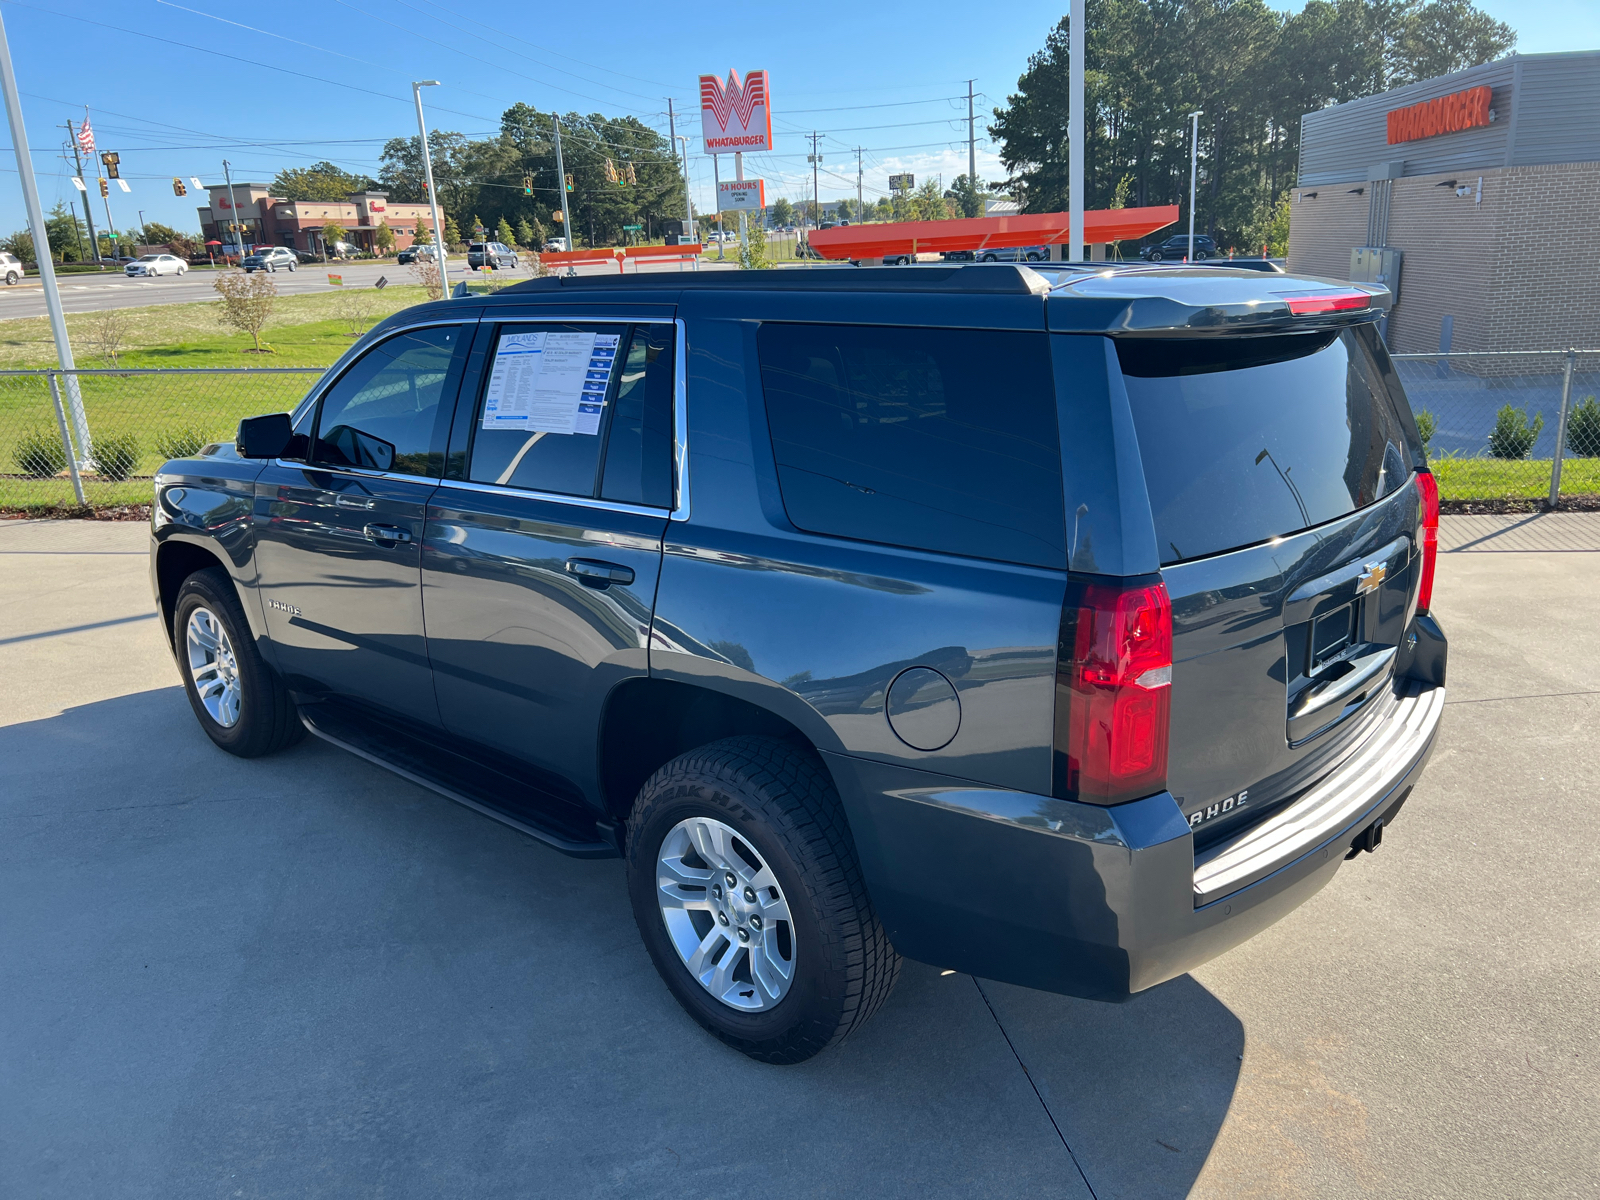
303 977
94 293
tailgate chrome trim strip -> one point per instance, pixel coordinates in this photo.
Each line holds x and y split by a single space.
1330 805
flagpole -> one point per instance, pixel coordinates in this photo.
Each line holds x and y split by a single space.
41 247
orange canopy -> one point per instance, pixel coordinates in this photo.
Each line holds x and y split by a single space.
987 233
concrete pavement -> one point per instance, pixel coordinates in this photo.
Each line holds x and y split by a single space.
304 977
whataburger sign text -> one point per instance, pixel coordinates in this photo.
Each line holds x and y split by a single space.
1448 114
734 116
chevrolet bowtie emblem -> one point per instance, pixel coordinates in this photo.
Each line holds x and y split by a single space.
1371 577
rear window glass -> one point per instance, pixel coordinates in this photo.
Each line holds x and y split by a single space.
934 439
1246 439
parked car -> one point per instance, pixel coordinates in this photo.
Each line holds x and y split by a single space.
12 267
156 264
271 258
413 254
556 245
1175 249
937 614
1015 254
307 257
494 255
959 255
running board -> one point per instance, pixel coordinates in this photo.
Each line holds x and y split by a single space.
577 849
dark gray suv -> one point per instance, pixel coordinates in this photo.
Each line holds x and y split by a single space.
1062 627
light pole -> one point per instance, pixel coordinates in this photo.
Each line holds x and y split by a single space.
688 204
233 207
41 255
440 250
1194 156
1079 33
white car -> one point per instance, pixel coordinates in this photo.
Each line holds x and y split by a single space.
156 264
11 267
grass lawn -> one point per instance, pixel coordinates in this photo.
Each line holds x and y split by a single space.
1504 479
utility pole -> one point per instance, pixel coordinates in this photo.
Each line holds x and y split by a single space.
88 209
1079 35
561 170
1194 157
672 133
816 193
233 207
972 143
440 250
111 226
41 254
861 207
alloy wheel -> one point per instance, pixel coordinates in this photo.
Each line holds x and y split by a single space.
213 667
725 914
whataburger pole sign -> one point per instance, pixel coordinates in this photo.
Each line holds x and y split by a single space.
734 116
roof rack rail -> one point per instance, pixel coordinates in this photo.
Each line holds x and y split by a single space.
1006 279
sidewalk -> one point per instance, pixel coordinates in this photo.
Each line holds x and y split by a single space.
1555 532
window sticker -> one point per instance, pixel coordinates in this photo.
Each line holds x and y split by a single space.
550 382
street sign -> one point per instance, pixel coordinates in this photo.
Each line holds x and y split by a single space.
902 183
632 228
734 116
741 195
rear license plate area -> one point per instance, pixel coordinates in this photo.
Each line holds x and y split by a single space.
1331 635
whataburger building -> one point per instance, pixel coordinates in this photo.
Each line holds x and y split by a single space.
1486 181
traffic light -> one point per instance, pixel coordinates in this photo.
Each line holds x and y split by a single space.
569 183
105 188
177 187
632 178
611 172
556 216
111 158
527 185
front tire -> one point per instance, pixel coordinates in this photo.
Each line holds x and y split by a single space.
239 701
791 958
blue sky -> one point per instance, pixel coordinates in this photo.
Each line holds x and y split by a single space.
314 79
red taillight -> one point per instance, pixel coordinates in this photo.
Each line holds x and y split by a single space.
1308 303
1117 694
1429 487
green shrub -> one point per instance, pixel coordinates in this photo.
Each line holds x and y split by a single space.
1583 429
1427 426
38 453
1512 435
181 443
116 455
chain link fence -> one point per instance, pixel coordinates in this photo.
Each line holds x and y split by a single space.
1520 424
97 437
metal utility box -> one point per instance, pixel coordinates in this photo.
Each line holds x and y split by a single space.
1377 264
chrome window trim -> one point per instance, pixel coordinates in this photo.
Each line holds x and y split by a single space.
495 489
680 415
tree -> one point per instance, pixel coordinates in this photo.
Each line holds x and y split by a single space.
154 234
928 202
423 236
525 234
247 298
452 235
332 235
20 243
782 212
1252 71
883 210
320 181
383 236
967 196
65 232
503 233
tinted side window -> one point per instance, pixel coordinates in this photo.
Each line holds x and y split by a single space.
383 412
540 418
935 439
638 467
1247 439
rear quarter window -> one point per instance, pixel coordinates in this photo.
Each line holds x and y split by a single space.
1246 439
934 439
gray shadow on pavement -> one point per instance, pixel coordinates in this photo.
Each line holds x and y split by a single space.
1138 1090
303 977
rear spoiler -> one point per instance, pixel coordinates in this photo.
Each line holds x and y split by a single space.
1196 302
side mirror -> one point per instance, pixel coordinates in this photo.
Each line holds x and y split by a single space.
264 437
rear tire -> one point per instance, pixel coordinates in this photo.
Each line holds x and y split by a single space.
1155 256
217 655
780 819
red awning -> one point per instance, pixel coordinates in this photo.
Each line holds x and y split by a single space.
988 233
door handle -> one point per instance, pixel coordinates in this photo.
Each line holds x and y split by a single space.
592 572
386 533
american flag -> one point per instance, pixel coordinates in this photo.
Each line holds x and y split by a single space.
86 136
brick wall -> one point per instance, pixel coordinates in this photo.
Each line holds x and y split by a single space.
1516 271
1324 228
